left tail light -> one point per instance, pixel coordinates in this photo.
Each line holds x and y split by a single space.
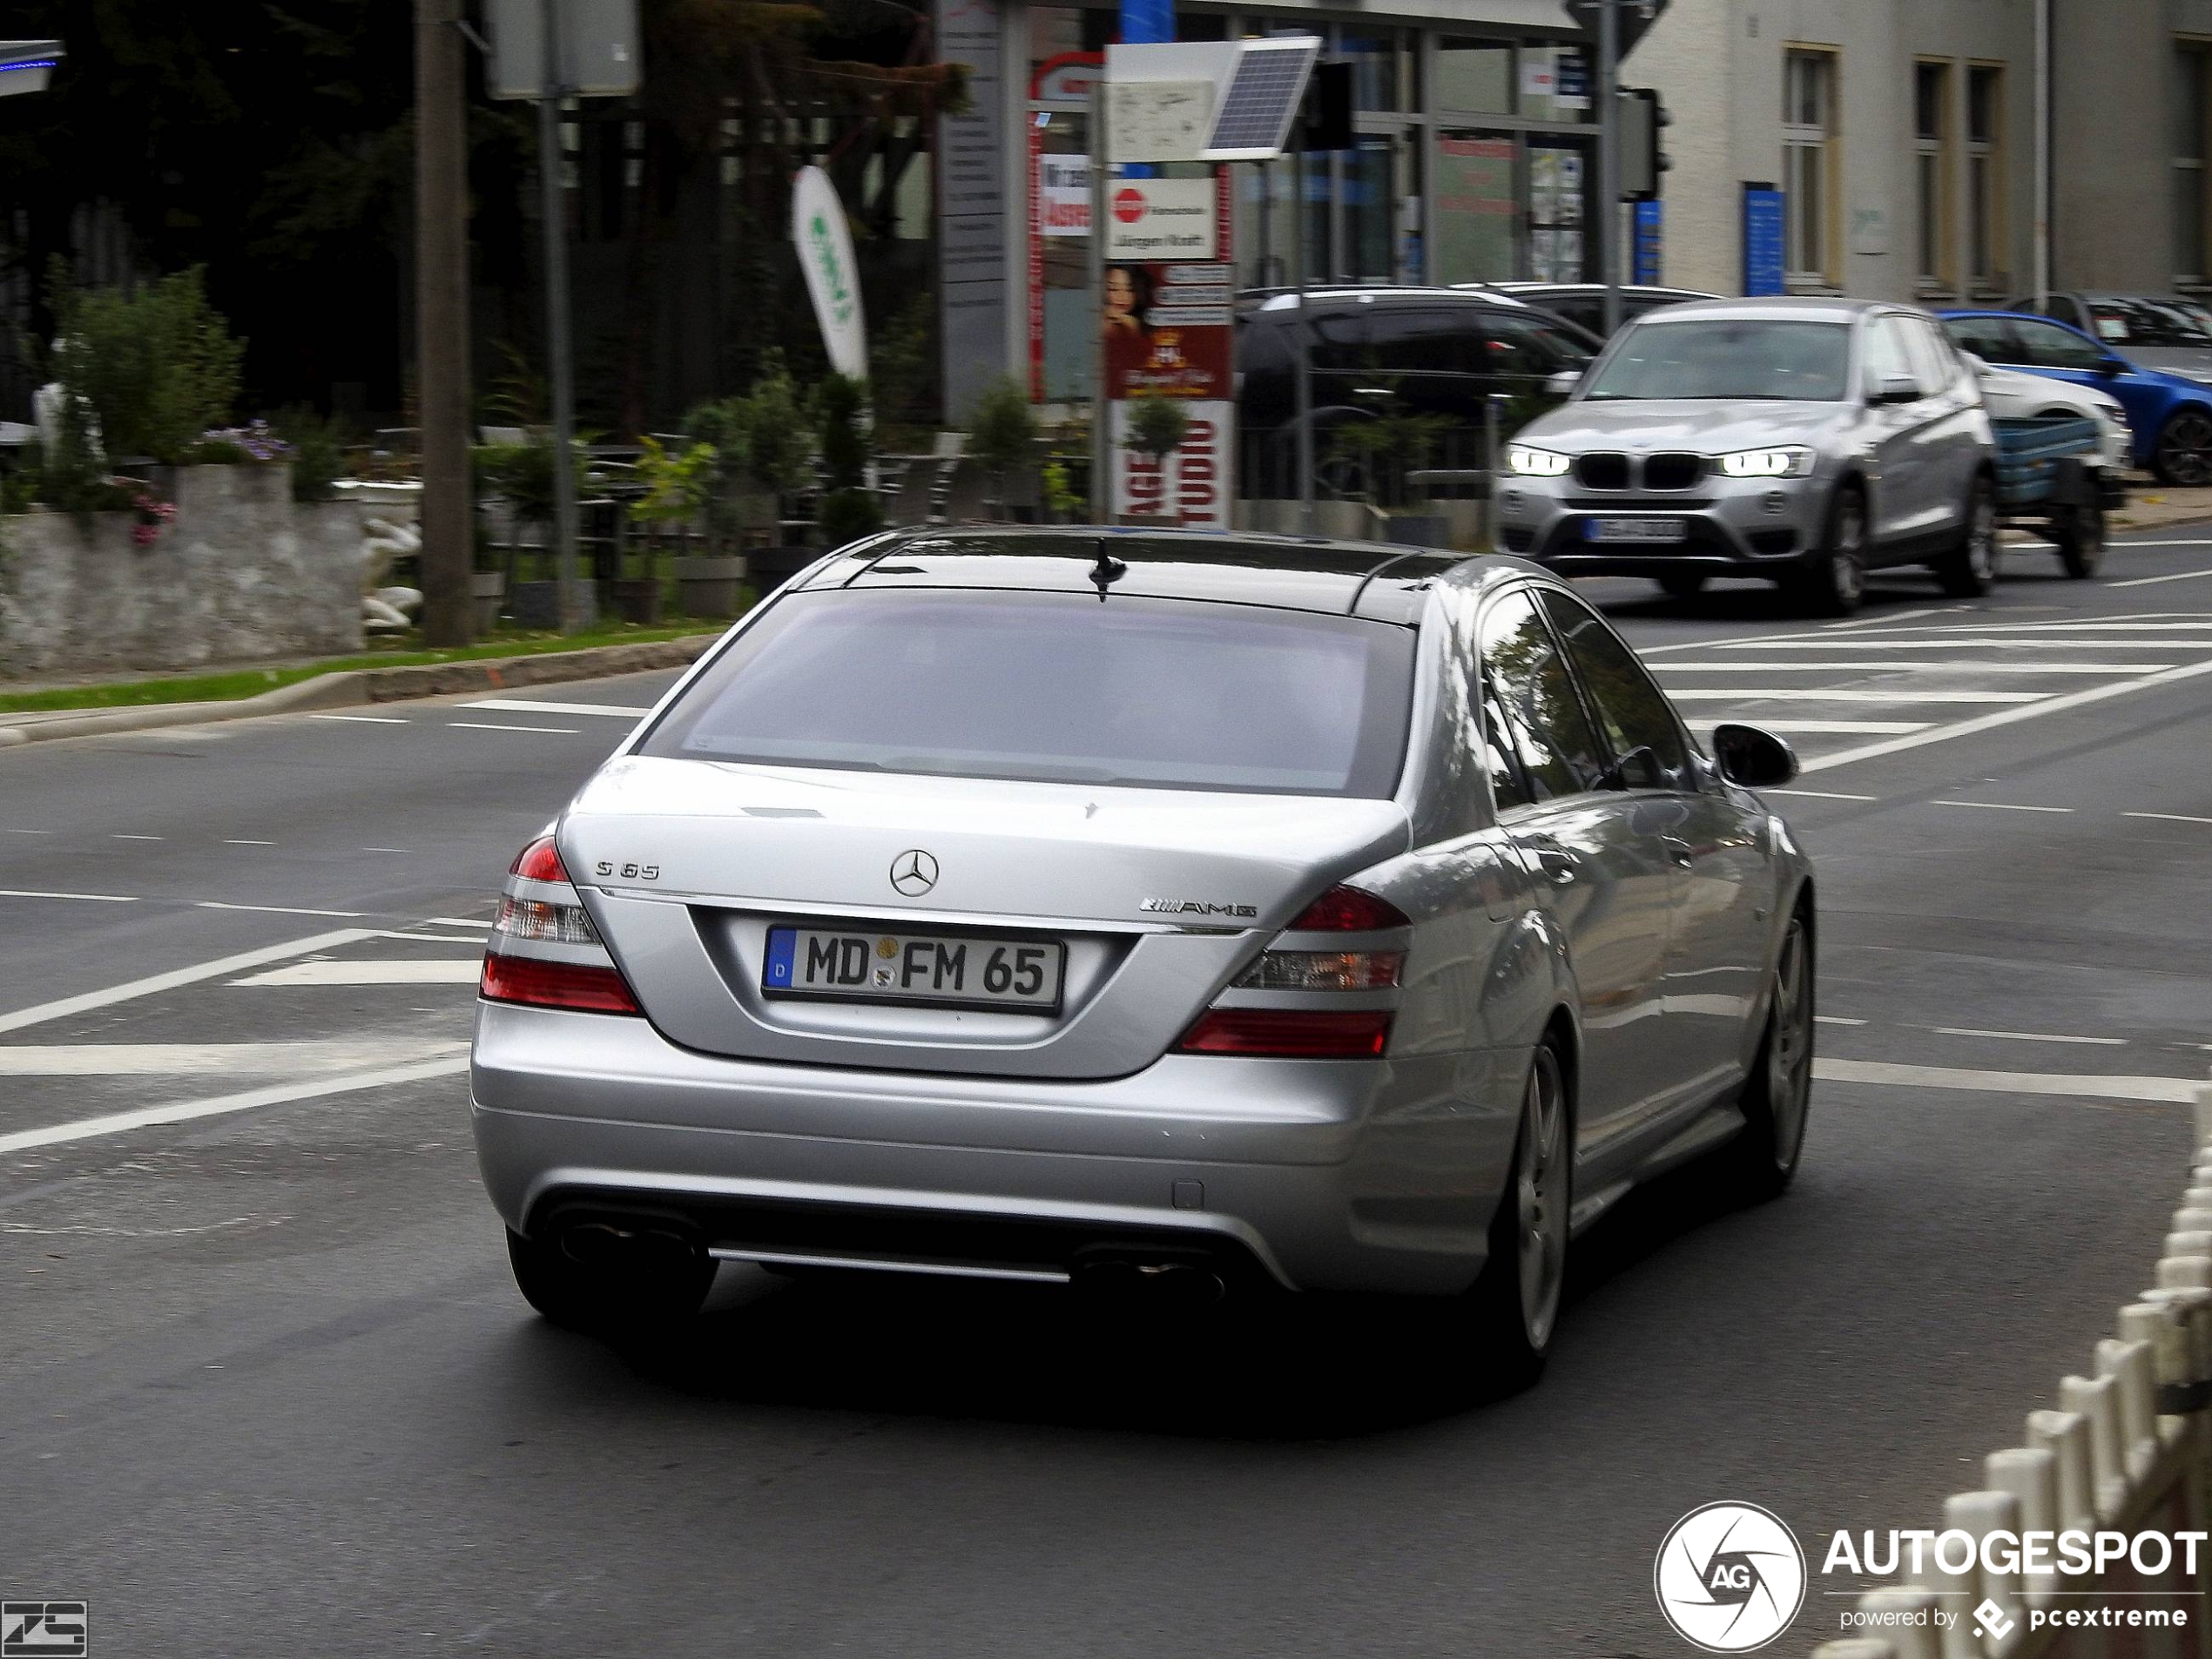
545 952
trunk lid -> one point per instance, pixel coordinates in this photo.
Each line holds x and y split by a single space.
1159 897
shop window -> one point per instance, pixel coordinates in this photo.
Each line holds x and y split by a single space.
1475 75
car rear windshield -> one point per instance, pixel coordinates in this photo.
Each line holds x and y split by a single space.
1058 688
1748 358
2155 323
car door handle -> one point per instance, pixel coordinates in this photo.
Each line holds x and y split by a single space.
1556 863
1679 851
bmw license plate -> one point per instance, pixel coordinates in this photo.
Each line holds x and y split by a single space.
939 969
1634 530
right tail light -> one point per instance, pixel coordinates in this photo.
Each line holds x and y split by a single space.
1316 1032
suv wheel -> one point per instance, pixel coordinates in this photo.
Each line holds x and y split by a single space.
1970 568
2184 452
1833 583
2079 534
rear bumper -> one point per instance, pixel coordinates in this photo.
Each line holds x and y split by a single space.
1282 1163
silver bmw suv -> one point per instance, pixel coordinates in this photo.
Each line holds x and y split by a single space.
1076 907
1804 440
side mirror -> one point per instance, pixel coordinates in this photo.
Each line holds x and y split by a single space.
1563 383
1753 757
2112 368
1899 388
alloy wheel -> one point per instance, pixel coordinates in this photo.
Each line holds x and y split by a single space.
2185 449
1540 1197
1846 560
1981 534
1790 1046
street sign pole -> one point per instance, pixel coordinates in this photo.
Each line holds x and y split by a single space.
441 324
1102 406
1609 159
579 607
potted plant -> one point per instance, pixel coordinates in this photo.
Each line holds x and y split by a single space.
761 451
487 580
522 475
678 487
1156 428
848 509
1003 437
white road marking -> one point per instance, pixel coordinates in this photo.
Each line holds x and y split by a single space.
486 726
455 922
1868 728
2149 581
244 843
1802 694
91 898
62 1008
2168 625
2179 1090
2006 717
2026 1037
362 719
26 832
384 849
1892 667
2192 543
1894 615
277 909
134 838
1821 794
2169 818
523 705
1922 642
2001 806
453 972
153 1059
1834 1019
85 1128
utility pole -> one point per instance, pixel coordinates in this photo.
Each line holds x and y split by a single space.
1102 406
579 606
1609 159
441 322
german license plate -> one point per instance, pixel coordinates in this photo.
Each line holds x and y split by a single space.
1634 530
914 967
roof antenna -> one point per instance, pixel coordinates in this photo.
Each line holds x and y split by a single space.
1107 571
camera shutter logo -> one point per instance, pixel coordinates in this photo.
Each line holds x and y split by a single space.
1729 1577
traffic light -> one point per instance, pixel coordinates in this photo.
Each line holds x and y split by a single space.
1328 121
1639 117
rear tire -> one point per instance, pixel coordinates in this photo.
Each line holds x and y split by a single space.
1759 1163
1834 582
1515 1303
1682 585
2079 534
1970 568
608 1300
2183 454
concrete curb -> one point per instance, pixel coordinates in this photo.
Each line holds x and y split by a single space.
359 686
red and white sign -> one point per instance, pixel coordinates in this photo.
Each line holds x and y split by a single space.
1163 218
1194 483
1169 333
1064 195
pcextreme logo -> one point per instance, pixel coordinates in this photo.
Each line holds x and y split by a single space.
1729 1577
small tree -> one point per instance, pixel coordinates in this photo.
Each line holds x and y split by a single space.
1157 426
848 508
159 365
1002 432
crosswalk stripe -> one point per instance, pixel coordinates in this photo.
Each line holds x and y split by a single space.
523 705
1824 694
451 971
62 1008
487 725
1865 728
1892 667
1979 642
2179 1090
149 1059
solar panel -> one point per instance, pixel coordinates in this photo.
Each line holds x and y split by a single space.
1255 112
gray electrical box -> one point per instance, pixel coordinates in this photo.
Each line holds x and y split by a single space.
598 48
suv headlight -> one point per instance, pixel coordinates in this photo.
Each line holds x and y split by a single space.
1792 462
1534 463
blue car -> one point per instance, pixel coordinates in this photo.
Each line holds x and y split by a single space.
2169 414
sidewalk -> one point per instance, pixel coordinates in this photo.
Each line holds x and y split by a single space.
2152 505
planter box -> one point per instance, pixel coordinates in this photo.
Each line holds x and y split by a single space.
708 587
489 590
535 604
244 572
637 598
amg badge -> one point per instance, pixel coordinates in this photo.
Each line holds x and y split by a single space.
1195 907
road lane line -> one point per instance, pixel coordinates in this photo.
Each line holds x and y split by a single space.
246 843
90 897
2178 1090
1870 728
1891 667
86 1129
486 726
2001 806
1834 1019
26 832
276 909
2169 818
2006 717
483 922
1909 643
133 837
1894 616
362 719
239 963
523 705
2026 1037
442 971
1820 794
167 1059
2149 581
1823 694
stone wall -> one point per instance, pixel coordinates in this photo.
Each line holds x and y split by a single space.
243 573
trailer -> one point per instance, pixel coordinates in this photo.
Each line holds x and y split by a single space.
2052 478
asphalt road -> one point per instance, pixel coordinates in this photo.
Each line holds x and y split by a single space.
267 1388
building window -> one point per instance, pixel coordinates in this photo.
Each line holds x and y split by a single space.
1986 176
2192 62
1809 140
1931 173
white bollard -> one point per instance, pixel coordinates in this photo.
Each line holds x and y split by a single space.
2031 1475
2065 1436
2097 1399
2183 1272
1979 1514
2135 1391
2165 1327
2194 1309
2193 1218
1905 1601
2186 1243
2204 1117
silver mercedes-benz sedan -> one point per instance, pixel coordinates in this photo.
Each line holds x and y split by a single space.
1151 909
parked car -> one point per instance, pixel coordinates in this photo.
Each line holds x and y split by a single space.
1173 911
1802 440
1422 362
1583 303
2062 456
2014 394
2169 414
2161 331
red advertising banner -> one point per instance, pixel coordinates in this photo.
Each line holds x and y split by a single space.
1171 332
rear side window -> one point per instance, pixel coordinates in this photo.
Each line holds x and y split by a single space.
1058 688
1990 339
1638 721
1525 674
2045 345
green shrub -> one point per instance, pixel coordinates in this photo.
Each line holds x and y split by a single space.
1002 432
159 365
318 452
1157 426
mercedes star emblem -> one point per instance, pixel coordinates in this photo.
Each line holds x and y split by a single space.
913 873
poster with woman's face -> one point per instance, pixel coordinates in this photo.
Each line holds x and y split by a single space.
1168 330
